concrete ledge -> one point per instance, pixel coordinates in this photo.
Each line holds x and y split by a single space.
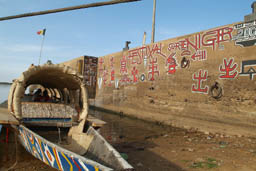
207 124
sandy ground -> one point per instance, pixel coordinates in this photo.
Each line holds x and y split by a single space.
152 147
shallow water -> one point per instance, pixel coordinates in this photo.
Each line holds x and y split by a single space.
4 90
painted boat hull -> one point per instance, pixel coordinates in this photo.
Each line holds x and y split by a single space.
54 155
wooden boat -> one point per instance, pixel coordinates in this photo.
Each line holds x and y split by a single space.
86 149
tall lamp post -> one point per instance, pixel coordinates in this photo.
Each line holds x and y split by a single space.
153 23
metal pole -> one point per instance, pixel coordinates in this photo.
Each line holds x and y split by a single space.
144 39
41 50
153 23
97 4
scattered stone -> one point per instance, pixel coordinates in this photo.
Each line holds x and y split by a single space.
223 143
140 165
239 136
251 151
209 138
207 133
165 135
190 150
199 160
223 146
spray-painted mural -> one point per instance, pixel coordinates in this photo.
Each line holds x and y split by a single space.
248 68
228 69
199 78
165 59
53 155
246 34
207 76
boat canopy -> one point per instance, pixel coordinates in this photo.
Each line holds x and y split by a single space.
59 80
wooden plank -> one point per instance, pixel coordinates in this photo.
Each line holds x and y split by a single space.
7 118
95 122
96 4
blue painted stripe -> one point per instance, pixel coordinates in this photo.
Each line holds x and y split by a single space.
46 119
67 161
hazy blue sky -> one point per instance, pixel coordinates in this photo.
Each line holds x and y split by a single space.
102 30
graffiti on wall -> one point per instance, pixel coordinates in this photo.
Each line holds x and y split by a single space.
124 71
51 155
191 46
137 56
90 70
199 77
156 60
112 74
153 69
171 63
101 66
228 69
102 73
246 34
135 75
248 68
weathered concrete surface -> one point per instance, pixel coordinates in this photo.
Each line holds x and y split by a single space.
203 80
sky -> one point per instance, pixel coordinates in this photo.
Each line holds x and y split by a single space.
103 30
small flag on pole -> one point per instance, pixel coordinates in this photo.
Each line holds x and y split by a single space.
41 32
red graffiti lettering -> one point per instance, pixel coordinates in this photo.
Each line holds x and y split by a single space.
153 69
112 74
201 77
229 69
132 54
155 49
112 62
137 54
101 62
123 68
196 44
199 55
171 63
214 37
135 75
105 74
125 79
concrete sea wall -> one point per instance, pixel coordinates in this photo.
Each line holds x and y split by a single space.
203 80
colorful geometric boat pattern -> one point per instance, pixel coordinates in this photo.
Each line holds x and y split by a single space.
53 156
